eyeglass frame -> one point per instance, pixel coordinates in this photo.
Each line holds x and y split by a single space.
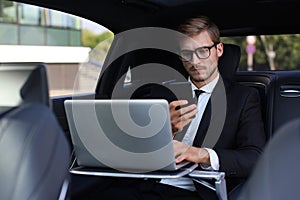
195 52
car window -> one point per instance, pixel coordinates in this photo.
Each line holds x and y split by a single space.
263 52
268 52
73 48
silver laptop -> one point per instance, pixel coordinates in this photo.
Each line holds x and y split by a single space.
126 135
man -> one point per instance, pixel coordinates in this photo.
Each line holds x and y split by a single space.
241 138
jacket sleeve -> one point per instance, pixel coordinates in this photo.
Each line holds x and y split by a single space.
243 134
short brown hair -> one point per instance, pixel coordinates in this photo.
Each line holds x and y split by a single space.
196 25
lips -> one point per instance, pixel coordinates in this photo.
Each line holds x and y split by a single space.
198 69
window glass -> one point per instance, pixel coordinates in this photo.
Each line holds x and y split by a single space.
268 52
57 37
29 14
8 34
75 37
74 22
31 35
8 11
72 48
59 19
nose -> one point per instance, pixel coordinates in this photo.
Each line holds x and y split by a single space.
194 59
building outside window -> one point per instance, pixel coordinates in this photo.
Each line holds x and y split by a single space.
33 34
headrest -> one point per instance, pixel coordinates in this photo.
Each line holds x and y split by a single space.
229 61
23 83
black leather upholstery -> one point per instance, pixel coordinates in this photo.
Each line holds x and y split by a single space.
34 150
276 175
229 61
34 154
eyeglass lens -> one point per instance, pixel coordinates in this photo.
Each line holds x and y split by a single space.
201 53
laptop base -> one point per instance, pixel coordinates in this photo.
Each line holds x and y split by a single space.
93 171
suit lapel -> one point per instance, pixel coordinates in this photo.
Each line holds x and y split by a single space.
203 126
211 125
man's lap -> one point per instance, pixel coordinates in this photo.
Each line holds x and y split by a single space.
133 189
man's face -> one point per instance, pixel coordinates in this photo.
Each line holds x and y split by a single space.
201 71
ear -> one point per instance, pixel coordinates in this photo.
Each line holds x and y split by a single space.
220 49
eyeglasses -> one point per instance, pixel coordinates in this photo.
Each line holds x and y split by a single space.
201 53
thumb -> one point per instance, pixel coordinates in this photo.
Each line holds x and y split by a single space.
180 158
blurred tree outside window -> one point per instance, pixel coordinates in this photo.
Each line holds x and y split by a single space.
99 42
272 52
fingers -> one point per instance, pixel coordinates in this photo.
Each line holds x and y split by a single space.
182 116
175 104
189 112
180 158
182 111
185 156
179 148
190 153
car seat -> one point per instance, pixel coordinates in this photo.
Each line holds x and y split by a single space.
276 175
34 150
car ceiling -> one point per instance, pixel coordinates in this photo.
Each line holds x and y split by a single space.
234 17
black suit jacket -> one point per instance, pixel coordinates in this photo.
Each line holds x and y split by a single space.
233 127
239 130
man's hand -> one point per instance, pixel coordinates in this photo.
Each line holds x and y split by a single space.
182 116
190 153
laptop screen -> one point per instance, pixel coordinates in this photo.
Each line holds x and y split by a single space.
127 135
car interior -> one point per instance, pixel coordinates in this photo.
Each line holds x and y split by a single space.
273 177
34 150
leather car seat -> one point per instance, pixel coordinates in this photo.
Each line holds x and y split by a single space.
34 151
276 174
229 61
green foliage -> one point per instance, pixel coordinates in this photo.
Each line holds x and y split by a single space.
90 39
286 48
99 43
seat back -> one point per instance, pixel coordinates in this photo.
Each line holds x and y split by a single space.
276 174
229 61
34 154
34 150
22 83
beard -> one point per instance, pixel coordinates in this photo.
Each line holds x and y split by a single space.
202 73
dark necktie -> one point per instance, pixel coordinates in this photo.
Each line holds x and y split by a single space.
198 92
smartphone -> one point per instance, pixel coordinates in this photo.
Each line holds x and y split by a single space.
169 90
181 90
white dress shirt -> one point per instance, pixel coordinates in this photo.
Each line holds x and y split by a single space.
184 182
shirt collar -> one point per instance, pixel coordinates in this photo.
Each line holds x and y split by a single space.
209 87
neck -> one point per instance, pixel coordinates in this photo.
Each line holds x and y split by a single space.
201 83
